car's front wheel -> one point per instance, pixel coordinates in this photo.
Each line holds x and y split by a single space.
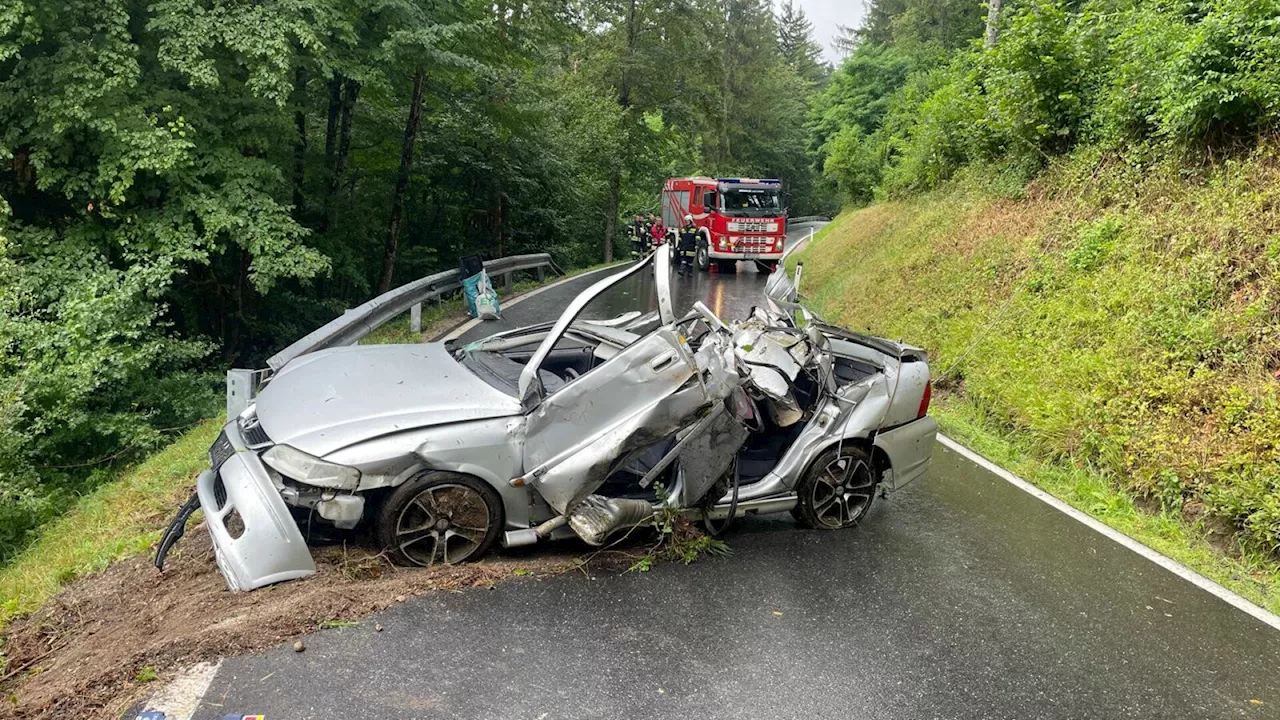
837 490
439 517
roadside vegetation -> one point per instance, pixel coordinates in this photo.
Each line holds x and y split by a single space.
1110 330
1073 206
122 518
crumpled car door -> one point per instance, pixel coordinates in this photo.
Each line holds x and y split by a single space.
574 438
644 393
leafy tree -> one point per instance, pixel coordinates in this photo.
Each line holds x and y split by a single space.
859 95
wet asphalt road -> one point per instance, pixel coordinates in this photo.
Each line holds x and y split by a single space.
959 597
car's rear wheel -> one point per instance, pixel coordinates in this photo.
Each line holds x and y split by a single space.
837 490
440 517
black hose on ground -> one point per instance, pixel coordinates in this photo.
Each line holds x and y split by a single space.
176 529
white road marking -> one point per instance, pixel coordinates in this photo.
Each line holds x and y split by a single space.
1169 564
462 329
179 699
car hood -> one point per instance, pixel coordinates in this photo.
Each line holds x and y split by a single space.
328 400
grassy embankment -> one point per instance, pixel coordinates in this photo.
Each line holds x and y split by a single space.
1110 332
125 517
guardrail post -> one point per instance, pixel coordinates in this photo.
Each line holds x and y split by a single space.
506 282
542 273
415 318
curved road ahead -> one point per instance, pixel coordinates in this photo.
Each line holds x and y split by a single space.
960 597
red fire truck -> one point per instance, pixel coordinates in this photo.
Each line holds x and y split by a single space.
737 219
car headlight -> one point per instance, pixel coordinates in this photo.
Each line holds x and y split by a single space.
305 468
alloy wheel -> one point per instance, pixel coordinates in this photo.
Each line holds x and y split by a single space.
841 492
446 522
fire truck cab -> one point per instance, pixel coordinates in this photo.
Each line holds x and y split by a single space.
737 219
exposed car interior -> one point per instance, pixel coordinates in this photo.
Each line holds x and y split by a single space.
575 355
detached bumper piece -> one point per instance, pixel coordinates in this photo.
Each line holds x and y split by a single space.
255 539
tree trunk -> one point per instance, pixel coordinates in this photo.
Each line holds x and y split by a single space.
402 184
331 127
350 91
300 142
624 101
993 19
611 209
495 221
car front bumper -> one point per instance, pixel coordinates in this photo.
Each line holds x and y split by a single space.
270 548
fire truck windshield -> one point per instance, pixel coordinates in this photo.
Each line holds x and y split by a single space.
751 201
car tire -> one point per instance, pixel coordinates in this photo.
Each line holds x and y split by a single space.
837 490
439 517
703 258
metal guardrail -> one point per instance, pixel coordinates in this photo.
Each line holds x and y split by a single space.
808 218
354 324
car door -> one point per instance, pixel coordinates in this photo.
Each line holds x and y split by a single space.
647 391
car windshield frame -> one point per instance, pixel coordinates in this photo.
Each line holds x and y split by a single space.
530 389
724 192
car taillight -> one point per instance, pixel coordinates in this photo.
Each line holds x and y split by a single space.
924 401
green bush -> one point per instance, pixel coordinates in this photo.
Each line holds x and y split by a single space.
936 126
1040 77
89 378
853 163
1177 77
1223 81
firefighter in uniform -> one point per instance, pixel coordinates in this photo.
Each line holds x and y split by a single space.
688 245
639 240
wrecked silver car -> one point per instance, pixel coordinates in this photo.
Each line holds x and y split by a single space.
577 427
